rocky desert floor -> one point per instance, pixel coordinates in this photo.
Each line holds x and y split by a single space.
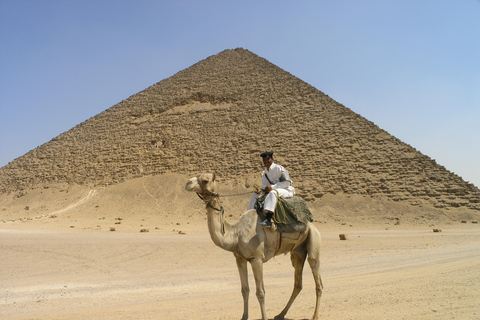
59 259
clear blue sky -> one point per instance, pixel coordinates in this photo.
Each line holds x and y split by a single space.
410 66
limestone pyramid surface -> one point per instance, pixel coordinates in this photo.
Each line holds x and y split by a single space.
219 115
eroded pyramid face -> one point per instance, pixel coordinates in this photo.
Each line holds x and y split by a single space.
217 116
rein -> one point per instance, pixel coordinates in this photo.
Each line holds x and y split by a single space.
235 194
207 202
216 195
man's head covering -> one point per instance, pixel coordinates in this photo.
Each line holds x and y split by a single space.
267 154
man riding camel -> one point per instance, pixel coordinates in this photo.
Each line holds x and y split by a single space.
276 178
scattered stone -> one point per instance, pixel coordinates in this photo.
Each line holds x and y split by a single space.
72 227
118 222
474 221
343 236
181 232
464 221
144 230
437 230
118 218
112 229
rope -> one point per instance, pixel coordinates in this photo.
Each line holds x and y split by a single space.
281 209
255 187
235 195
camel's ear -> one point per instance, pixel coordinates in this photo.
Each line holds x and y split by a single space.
214 176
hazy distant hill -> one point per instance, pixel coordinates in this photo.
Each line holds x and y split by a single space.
219 115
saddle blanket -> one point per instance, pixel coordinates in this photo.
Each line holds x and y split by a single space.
291 214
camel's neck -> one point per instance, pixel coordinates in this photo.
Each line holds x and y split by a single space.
220 231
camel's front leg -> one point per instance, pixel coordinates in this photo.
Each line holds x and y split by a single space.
243 271
257 267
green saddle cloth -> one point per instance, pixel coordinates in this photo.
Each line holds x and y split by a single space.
291 214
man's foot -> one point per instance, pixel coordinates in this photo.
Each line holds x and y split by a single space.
265 223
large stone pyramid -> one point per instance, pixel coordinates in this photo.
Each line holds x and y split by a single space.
218 115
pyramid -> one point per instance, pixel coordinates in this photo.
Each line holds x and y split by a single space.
218 116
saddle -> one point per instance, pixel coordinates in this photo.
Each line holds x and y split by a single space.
291 214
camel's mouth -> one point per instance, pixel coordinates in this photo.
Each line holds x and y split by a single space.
192 185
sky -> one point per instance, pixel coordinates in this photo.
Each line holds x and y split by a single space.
410 66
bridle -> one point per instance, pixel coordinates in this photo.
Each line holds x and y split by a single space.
208 196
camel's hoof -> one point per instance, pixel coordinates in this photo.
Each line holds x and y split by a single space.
279 317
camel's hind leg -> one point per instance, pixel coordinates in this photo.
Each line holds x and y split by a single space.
298 257
313 249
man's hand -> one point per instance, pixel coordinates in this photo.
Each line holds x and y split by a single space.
268 188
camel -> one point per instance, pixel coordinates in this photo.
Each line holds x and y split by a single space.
250 242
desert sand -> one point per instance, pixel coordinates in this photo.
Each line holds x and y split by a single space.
59 259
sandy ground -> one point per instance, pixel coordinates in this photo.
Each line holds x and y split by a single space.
373 275
70 266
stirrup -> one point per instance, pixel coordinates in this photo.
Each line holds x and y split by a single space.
265 223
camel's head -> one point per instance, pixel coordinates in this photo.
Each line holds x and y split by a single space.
204 184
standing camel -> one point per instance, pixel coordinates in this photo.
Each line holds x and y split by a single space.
253 243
